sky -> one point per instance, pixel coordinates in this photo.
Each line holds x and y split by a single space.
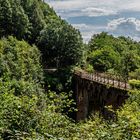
117 17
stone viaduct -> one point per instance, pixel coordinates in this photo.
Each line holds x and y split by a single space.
95 91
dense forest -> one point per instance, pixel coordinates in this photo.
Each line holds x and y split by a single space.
114 55
36 104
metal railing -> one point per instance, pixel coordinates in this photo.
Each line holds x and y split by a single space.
103 78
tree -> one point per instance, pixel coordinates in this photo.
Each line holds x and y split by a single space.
104 59
5 18
126 52
60 44
19 61
98 41
37 21
20 21
130 62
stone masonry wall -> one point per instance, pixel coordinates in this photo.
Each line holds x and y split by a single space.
91 96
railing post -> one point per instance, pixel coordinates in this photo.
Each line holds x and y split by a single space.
107 79
113 81
80 74
125 85
119 82
101 78
95 76
98 77
104 78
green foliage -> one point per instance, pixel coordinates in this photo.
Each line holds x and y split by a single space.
18 114
63 101
13 19
112 55
107 52
20 21
135 74
33 20
23 19
61 44
36 18
104 59
19 61
60 80
20 87
125 127
31 117
135 84
25 111
130 61
89 68
5 17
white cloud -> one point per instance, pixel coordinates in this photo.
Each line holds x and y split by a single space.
81 26
124 25
88 30
93 12
137 38
88 12
132 5
113 25
86 27
73 8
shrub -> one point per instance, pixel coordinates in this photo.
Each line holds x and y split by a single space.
89 68
135 84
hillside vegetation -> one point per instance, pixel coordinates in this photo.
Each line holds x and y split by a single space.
35 22
114 55
34 104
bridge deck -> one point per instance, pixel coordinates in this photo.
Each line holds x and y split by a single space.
104 79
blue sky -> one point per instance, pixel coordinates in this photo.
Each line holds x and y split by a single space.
117 17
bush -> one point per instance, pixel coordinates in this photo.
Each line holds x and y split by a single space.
18 114
103 59
19 60
25 110
89 68
24 117
135 84
135 74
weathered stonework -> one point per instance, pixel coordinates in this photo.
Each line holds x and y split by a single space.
92 96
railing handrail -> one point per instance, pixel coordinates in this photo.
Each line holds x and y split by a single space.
103 78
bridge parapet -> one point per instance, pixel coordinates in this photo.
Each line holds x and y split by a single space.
103 78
